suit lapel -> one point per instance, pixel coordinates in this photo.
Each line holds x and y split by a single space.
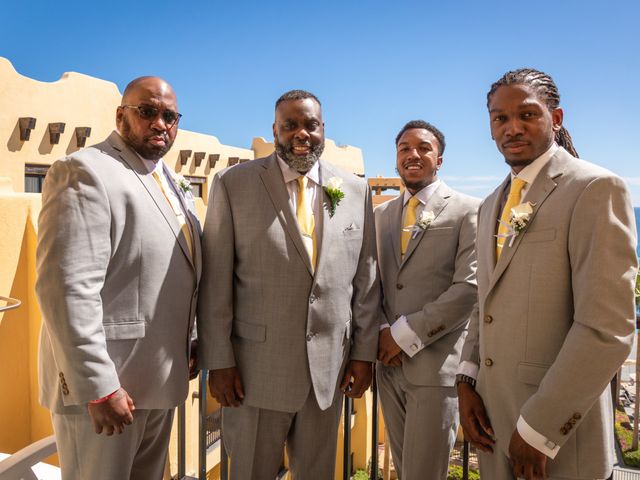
277 191
541 188
435 204
394 224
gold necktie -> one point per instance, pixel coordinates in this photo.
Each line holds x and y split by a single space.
515 195
409 222
184 228
306 221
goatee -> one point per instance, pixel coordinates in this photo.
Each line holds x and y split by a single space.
300 163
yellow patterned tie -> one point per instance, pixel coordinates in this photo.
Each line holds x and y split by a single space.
306 221
184 228
514 198
409 222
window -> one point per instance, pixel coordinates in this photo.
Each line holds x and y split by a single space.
197 185
34 177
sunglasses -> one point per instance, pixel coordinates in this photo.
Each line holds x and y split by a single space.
148 112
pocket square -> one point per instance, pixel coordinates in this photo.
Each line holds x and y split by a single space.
351 227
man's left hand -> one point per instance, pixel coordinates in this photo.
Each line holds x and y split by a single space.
357 378
193 360
526 461
387 347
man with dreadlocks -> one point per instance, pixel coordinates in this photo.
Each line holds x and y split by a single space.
555 313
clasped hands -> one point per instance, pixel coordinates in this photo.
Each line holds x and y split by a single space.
526 461
226 384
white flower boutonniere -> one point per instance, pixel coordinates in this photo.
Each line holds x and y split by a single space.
183 183
518 219
334 192
422 223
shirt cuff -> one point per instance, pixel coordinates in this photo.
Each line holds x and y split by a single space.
405 337
383 326
469 369
537 440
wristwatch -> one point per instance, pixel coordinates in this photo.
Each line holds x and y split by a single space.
461 378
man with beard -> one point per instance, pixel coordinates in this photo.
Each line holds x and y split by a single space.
555 316
288 317
118 264
426 239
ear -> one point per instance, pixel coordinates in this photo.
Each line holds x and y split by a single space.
438 162
119 115
556 117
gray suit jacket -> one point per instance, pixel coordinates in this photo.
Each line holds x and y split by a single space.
556 314
262 308
115 284
434 286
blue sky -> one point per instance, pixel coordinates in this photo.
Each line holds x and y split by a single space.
373 64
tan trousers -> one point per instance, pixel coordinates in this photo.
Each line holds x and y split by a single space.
255 439
139 453
421 423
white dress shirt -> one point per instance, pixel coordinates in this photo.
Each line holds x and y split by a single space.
528 434
401 331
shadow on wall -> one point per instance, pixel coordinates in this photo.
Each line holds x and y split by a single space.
14 144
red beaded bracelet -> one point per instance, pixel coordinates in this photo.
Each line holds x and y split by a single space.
103 399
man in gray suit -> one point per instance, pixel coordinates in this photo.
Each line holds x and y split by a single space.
118 263
288 314
555 318
426 251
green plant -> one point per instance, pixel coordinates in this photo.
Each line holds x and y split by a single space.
638 288
455 473
360 475
624 432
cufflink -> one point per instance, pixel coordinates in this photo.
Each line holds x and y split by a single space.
414 347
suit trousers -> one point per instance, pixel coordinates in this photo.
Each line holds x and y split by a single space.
496 467
421 422
139 453
255 439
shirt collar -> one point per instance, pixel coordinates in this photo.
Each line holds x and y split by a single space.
531 171
424 194
290 174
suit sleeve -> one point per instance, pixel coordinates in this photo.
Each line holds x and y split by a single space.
74 248
601 247
451 309
366 303
215 304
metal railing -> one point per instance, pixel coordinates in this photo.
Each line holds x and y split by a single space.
11 303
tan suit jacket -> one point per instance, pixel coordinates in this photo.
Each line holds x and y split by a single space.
116 284
263 309
434 286
556 314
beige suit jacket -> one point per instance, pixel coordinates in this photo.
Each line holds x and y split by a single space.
434 286
116 284
263 309
555 318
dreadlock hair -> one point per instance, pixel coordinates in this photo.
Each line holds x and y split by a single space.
545 88
421 124
296 95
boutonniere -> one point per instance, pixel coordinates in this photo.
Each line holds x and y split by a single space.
183 183
519 218
422 223
335 194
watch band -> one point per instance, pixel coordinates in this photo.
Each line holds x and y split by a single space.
461 378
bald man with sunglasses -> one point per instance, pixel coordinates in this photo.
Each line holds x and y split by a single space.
118 265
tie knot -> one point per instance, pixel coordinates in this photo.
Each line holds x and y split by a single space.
517 184
302 182
414 202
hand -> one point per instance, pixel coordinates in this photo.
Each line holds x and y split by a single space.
526 461
193 360
473 418
387 347
396 361
113 414
361 373
226 386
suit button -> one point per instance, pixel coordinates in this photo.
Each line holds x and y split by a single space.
61 375
488 362
310 336
577 416
398 316
312 298
488 319
564 430
399 286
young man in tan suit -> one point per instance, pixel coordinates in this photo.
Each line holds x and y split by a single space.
555 317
